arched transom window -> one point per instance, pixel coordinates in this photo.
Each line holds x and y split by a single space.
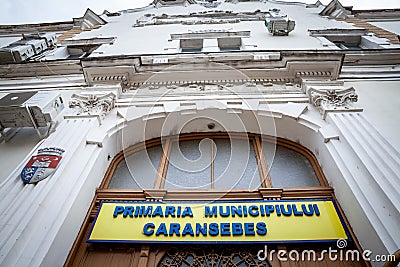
214 161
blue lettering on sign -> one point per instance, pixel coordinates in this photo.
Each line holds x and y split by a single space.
158 212
141 211
296 212
249 228
187 212
315 206
162 229
225 213
261 228
118 210
269 209
170 210
262 210
146 228
287 212
174 229
201 229
213 229
217 211
225 229
210 212
237 229
188 230
278 210
178 212
309 212
128 211
237 211
253 211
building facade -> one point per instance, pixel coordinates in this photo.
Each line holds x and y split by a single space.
202 133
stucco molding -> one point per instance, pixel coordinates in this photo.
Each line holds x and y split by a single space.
92 104
333 100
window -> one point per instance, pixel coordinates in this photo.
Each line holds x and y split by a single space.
230 43
138 170
190 165
191 45
82 48
221 40
215 162
348 39
288 168
236 164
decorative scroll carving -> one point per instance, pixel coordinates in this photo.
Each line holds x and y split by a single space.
92 104
333 100
211 256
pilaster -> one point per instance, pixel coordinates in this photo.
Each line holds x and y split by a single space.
50 213
370 166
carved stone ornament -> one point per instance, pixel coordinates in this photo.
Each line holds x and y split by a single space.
333 100
92 104
125 84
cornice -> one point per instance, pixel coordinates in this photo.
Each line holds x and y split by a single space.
259 68
267 65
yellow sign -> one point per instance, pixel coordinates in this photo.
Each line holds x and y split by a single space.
232 222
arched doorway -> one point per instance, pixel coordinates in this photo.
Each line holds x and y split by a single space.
199 167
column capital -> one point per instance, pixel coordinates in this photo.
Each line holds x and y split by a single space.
333 100
93 104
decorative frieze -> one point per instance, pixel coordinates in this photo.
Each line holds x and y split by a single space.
224 82
92 104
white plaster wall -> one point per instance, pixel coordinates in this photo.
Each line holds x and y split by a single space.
392 26
381 103
154 39
12 152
